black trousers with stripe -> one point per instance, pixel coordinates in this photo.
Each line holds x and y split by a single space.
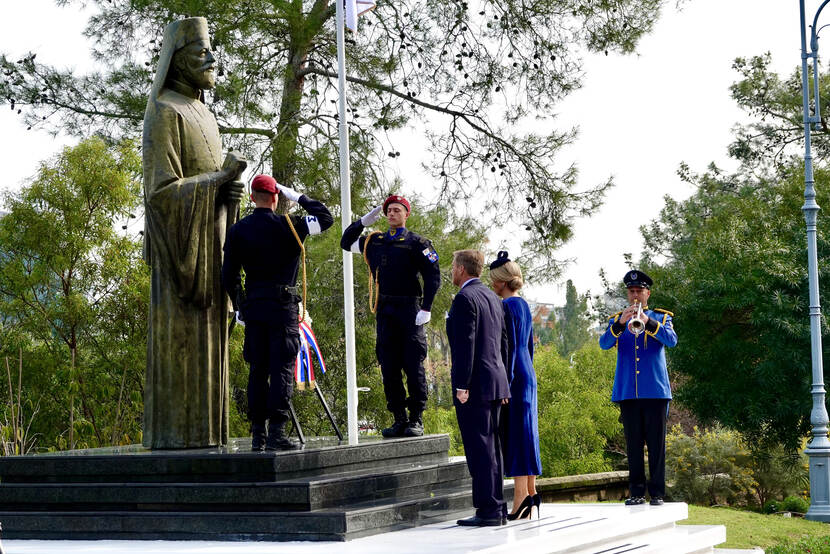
644 424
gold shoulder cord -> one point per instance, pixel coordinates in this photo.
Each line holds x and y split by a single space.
373 280
302 253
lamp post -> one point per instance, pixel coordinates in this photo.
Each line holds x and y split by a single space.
818 449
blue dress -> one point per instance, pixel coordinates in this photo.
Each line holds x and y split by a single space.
521 440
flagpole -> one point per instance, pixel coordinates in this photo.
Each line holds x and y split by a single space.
345 219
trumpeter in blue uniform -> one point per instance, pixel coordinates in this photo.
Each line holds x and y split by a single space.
396 258
641 385
266 246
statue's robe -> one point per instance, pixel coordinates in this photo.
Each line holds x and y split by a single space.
186 389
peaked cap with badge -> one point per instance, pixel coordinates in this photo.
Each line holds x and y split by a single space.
635 278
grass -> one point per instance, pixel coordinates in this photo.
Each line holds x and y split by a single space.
750 529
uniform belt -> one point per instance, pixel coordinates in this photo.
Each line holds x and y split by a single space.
394 298
261 290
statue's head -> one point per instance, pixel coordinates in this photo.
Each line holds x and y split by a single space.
194 64
185 56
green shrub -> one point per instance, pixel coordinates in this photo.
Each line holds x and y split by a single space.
708 467
443 420
576 415
779 473
772 506
796 504
813 545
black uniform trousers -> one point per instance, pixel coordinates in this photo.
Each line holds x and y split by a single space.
401 345
271 350
478 421
644 422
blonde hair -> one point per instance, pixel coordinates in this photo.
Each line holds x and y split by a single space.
509 274
471 260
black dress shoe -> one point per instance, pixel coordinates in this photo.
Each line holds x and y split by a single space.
476 521
635 501
656 501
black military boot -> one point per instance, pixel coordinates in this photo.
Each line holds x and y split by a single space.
398 427
415 427
257 437
277 439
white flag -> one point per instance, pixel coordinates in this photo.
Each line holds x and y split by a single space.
355 8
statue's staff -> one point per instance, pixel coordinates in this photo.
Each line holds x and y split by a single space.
233 207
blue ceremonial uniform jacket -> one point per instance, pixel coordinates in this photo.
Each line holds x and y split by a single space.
641 361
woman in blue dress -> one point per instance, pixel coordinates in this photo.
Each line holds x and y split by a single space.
521 443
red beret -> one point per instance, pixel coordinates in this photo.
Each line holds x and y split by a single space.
264 183
395 199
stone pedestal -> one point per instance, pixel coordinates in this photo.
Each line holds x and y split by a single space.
327 491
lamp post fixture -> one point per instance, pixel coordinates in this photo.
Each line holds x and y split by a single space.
818 449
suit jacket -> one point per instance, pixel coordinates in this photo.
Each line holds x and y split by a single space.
478 343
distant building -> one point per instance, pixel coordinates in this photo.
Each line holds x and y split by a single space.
544 315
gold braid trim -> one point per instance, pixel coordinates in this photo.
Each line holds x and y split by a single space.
302 253
373 280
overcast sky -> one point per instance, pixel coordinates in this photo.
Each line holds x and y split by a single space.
639 116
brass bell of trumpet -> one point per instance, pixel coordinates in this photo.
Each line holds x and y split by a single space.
634 324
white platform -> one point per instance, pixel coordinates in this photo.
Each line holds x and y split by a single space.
574 528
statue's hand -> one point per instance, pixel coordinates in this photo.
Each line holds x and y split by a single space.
232 191
234 164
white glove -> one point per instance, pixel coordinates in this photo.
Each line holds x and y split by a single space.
422 317
302 314
371 217
291 194
239 319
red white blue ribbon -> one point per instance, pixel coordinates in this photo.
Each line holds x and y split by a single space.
303 368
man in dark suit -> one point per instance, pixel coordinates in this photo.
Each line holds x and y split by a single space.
478 342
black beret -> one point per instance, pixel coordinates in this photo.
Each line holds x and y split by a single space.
636 278
500 260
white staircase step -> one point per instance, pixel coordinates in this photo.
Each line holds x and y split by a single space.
563 528
681 539
580 527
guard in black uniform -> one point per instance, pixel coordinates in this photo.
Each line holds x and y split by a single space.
395 258
265 246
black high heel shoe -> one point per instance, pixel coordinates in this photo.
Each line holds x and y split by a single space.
537 502
523 511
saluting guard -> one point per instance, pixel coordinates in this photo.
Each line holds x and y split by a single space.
268 247
641 385
395 259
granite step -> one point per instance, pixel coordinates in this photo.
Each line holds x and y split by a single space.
234 463
298 494
356 520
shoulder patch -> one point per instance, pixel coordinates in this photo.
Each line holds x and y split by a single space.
662 311
430 254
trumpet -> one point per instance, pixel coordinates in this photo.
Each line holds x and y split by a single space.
635 325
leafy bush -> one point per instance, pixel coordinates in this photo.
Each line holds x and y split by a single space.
772 507
576 415
708 467
797 504
443 420
779 473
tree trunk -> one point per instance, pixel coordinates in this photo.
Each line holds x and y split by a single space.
72 400
284 145
284 152
117 423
